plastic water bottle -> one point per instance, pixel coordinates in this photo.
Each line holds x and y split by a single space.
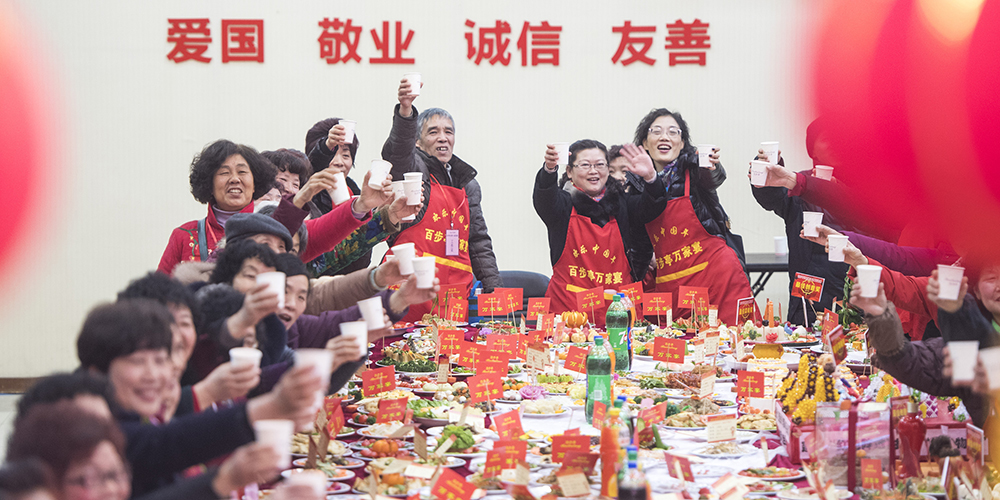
633 484
598 377
625 414
616 322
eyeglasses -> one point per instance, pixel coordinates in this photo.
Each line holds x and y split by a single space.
96 479
670 131
600 166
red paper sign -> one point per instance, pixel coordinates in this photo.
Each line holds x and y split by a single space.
491 304
335 420
598 418
809 287
634 293
745 310
533 337
513 298
451 486
483 387
502 344
378 380
572 432
458 310
512 451
669 350
590 300
450 292
871 473
657 304
838 344
687 297
576 359
498 368
564 443
538 305
518 491
749 384
583 461
509 425
679 467
470 353
494 464
547 322
830 321
450 340
654 414
391 410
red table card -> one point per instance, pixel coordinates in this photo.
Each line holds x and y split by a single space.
378 380
838 344
808 287
497 368
512 451
451 291
590 300
451 486
494 464
391 410
335 420
654 414
563 444
633 292
598 418
458 310
537 336
657 304
513 298
576 359
679 466
494 357
483 387
491 304
745 310
669 350
518 491
509 425
749 384
871 473
830 321
496 342
547 323
583 461
450 340
687 297
537 306
470 353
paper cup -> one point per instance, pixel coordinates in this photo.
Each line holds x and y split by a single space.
358 330
278 435
868 278
824 172
412 190
704 150
404 254
781 245
244 356
379 170
758 172
413 176
963 354
809 222
349 126
990 357
400 191
770 152
275 283
320 359
562 149
414 81
950 280
424 267
340 194
837 244
371 310
314 479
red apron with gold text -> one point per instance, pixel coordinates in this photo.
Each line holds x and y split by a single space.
686 255
594 256
447 208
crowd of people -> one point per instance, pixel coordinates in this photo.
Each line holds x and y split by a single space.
157 409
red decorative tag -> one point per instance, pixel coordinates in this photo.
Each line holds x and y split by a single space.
450 340
538 305
749 384
484 387
487 367
598 418
564 443
669 350
390 410
378 380
498 343
679 466
576 359
494 464
657 304
687 297
583 461
745 310
513 298
335 420
838 344
809 287
654 414
634 293
547 322
458 310
509 425
590 300
470 353
490 304
871 473
451 486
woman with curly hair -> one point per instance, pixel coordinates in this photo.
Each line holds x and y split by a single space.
227 177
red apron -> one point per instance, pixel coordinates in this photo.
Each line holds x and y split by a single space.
594 256
686 255
447 208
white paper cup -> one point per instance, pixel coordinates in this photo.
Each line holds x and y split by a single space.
340 194
275 283
314 479
424 267
950 281
404 254
413 176
278 435
321 360
244 356
770 152
758 172
824 172
371 310
704 150
412 190
349 126
562 149
358 330
414 80
838 243
781 245
400 191
868 278
963 359
809 222
379 171
990 357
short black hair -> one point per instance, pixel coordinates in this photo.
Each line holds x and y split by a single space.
303 231
61 386
642 130
112 331
614 152
230 260
292 161
210 159
21 477
291 265
163 289
582 144
321 129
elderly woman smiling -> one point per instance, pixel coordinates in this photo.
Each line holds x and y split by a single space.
227 177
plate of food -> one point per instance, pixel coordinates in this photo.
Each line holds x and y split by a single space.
773 474
727 449
808 494
768 488
384 430
338 462
466 445
492 485
485 434
300 446
684 421
542 409
741 436
708 470
332 473
757 422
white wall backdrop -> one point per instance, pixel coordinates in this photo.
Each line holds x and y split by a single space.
134 120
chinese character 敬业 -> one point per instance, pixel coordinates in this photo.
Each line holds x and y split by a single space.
401 44
337 34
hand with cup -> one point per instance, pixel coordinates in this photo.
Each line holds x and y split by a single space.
551 161
968 370
379 171
324 180
404 254
406 95
249 464
258 303
371 311
769 152
424 269
372 197
959 288
338 136
228 381
708 156
872 306
409 294
352 343
852 255
293 398
400 209
388 274
562 153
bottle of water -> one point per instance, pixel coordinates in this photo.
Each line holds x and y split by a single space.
616 322
598 377
625 414
633 484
